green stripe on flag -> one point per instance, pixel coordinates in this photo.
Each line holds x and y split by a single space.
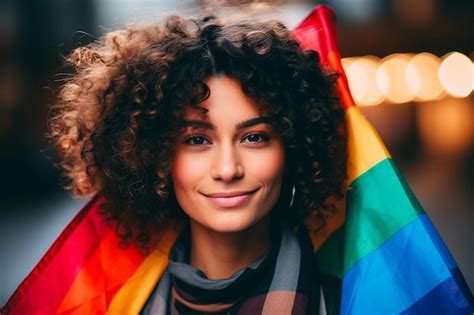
379 203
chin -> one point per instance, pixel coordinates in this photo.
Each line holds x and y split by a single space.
230 228
232 223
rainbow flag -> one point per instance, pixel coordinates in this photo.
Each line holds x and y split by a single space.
381 245
86 271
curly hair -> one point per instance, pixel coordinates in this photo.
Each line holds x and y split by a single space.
115 120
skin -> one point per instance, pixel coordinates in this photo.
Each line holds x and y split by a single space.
223 159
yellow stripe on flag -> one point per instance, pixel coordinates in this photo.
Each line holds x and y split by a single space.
135 292
365 148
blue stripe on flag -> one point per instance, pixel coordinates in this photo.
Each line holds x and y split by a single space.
438 242
445 299
399 273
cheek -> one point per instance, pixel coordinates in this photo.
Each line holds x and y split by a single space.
268 167
186 170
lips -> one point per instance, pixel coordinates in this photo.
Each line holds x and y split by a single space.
230 199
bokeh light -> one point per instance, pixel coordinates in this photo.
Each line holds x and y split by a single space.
422 77
401 78
473 75
391 78
361 77
346 62
456 74
445 126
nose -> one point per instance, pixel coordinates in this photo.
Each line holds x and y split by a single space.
227 166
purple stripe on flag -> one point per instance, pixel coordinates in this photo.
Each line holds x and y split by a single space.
445 299
399 273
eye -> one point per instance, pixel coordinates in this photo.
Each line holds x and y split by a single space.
196 140
257 138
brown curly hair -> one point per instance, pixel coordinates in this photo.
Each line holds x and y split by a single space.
116 119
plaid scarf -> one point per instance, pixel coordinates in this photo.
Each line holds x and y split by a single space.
283 281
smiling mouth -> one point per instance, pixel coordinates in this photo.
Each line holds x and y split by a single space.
230 199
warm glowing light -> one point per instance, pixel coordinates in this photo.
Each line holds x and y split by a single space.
347 61
455 74
446 125
422 77
361 77
391 78
473 75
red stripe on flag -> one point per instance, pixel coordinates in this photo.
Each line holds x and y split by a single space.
106 270
318 33
44 288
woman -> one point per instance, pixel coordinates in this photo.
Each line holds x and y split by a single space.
226 126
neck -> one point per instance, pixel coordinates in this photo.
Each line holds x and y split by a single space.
219 255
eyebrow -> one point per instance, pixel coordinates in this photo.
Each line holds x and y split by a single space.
202 124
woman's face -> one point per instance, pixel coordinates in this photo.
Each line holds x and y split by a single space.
228 165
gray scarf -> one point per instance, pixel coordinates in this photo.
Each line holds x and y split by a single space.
283 281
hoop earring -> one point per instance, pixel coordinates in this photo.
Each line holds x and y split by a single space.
293 191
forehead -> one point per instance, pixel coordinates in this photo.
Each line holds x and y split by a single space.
226 102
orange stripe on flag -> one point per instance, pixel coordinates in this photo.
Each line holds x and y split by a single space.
134 294
102 275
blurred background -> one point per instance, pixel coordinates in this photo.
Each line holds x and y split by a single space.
409 65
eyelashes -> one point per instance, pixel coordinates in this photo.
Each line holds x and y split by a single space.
195 140
259 137
253 138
